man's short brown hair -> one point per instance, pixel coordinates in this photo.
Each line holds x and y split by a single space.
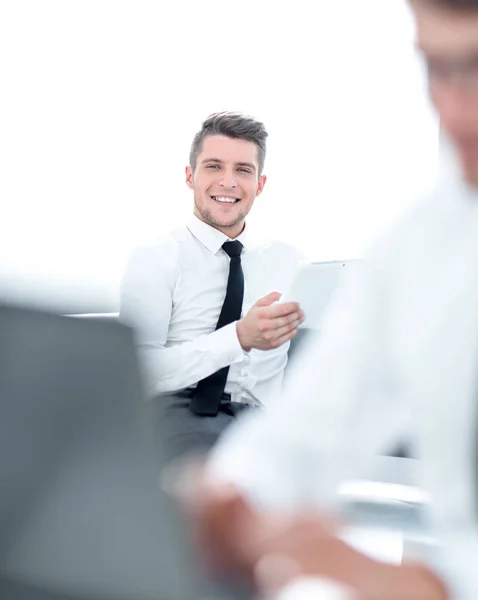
233 125
458 4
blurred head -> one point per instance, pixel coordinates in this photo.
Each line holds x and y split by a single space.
225 170
447 36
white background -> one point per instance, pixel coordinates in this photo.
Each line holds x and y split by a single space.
100 100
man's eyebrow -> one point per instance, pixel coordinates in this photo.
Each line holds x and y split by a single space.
214 160
246 164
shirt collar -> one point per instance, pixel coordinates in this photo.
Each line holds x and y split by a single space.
212 238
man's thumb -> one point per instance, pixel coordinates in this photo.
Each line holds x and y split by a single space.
269 299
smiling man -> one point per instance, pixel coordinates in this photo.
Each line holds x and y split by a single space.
203 300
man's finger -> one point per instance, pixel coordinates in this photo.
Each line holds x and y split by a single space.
269 299
280 310
291 321
286 329
274 571
286 338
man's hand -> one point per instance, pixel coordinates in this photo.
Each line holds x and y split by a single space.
285 548
270 550
267 325
233 536
281 547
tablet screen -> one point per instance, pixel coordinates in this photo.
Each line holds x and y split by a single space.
313 286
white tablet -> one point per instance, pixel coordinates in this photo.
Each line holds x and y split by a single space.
313 286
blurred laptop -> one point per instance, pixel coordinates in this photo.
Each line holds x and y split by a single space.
82 516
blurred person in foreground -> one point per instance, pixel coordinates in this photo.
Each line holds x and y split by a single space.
203 299
404 360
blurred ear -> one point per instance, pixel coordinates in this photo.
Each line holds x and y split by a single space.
261 184
189 178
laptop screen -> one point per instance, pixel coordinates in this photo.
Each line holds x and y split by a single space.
81 512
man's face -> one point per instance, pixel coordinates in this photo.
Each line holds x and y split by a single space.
225 182
448 40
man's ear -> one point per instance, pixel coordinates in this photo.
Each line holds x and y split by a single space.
189 178
261 184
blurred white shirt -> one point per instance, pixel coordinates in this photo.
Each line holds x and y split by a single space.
172 293
398 356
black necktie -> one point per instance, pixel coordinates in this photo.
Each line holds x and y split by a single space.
209 391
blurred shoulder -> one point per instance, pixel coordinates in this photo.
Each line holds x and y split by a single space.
417 231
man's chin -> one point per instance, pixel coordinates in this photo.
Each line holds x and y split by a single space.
227 222
224 224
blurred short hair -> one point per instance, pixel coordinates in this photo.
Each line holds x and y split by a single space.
232 125
457 4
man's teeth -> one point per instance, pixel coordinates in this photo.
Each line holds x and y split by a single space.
224 199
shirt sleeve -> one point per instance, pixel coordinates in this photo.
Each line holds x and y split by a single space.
146 300
341 406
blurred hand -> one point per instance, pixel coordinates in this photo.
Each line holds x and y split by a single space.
286 547
267 325
264 548
270 550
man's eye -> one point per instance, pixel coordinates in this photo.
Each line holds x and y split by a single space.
212 167
244 170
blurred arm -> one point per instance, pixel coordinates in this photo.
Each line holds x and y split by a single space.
340 407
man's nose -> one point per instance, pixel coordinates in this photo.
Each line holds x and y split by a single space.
228 179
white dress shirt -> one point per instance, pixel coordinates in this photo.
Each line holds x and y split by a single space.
172 293
398 356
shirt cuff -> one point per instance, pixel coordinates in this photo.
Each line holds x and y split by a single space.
227 346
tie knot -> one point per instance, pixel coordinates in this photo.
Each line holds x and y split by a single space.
232 249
